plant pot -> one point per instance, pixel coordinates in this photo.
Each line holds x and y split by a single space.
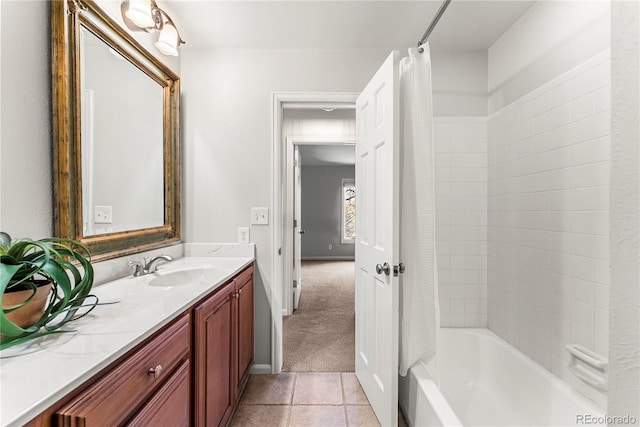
32 312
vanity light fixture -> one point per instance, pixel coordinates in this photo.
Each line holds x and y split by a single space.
145 15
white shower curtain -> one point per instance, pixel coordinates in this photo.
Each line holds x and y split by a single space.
419 306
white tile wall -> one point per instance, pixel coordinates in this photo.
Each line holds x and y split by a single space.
461 219
548 218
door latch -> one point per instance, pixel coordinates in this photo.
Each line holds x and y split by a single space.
398 269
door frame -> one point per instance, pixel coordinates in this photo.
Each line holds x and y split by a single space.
278 104
288 188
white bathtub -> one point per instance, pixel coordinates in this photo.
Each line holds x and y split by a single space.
484 381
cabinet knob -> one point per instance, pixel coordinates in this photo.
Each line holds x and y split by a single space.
155 372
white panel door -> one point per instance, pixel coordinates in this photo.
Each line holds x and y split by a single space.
377 175
298 231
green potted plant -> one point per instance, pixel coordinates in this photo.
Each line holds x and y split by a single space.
50 278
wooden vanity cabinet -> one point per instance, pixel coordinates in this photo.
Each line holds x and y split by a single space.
223 349
190 373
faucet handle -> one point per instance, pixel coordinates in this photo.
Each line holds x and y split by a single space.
138 268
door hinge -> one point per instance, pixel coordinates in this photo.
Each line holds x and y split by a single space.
398 269
295 223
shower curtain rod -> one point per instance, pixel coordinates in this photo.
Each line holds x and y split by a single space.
433 24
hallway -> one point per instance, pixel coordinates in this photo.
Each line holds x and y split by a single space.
320 335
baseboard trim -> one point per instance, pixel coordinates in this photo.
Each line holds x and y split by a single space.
329 258
261 368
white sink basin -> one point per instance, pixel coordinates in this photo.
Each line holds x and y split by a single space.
203 276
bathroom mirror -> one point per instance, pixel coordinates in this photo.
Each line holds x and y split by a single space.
115 123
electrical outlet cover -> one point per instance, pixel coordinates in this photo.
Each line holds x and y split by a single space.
102 214
243 235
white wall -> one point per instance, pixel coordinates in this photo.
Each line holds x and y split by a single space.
25 171
461 219
459 82
548 40
624 350
548 210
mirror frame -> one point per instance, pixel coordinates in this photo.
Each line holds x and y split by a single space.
67 18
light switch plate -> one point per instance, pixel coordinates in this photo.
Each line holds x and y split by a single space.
243 235
259 216
102 214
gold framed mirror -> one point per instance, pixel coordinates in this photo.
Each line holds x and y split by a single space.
115 135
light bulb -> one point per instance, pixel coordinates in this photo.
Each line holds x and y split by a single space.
140 13
168 40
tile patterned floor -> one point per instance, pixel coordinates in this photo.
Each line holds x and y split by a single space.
305 399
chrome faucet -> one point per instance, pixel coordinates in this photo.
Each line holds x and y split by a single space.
151 266
148 267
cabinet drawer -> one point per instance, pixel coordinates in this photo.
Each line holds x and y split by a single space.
111 399
170 405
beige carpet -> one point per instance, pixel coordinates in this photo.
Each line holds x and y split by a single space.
320 335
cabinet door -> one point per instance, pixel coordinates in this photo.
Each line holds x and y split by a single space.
169 406
244 286
213 351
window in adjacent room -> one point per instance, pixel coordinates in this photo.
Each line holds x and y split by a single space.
348 211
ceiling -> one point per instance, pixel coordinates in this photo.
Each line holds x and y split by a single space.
313 24
327 155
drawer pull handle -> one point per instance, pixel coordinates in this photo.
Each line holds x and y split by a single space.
155 372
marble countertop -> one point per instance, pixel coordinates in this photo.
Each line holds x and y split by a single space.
34 376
